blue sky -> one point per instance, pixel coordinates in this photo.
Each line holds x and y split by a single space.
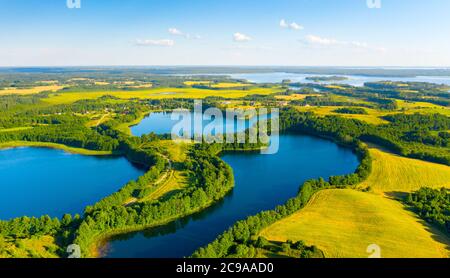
225 32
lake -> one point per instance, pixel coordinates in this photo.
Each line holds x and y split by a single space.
39 181
261 182
354 80
161 123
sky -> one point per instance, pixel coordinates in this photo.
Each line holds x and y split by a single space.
407 33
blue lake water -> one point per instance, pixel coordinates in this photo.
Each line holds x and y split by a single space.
161 123
261 182
39 181
354 80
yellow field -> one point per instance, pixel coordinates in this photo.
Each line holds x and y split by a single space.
15 129
422 107
158 93
35 90
373 117
342 223
393 173
41 247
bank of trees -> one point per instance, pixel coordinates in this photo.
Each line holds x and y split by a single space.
396 136
351 110
433 205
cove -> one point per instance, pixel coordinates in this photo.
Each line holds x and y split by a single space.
261 182
39 181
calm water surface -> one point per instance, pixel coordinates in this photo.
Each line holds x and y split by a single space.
38 181
261 182
354 80
161 123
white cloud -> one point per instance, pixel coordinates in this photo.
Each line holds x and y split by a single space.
175 31
293 25
178 32
331 42
162 42
239 37
316 40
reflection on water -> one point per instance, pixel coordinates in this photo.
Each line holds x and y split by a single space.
261 182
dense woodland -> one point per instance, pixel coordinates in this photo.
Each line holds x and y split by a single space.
433 205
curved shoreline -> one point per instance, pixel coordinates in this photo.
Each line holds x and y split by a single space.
72 150
95 249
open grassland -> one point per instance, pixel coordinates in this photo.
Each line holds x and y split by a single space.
159 93
373 116
35 247
422 107
176 180
15 129
35 90
16 144
343 223
393 173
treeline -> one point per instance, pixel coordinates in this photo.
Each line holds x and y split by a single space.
433 205
420 127
325 100
411 91
245 233
392 136
351 110
8 102
77 136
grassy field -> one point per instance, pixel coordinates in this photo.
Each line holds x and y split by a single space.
35 247
15 144
15 129
175 178
422 107
342 223
373 116
393 173
35 90
159 93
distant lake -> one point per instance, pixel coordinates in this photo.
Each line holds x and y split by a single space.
161 123
39 181
261 182
354 80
